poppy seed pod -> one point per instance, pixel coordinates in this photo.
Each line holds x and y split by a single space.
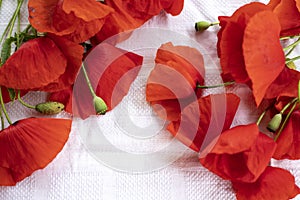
49 108
202 25
100 105
275 122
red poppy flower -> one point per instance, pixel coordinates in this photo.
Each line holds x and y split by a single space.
288 13
288 143
130 14
30 144
63 17
239 154
111 71
273 184
249 47
183 129
47 63
172 82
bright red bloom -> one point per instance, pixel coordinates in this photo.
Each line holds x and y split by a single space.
288 13
239 154
76 20
47 63
30 144
111 71
273 184
174 78
64 97
250 49
184 128
131 14
288 143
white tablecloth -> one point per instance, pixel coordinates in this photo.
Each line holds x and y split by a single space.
77 174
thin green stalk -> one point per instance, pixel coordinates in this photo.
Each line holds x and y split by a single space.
292 59
3 107
288 105
292 45
16 13
23 103
285 121
261 117
2 119
215 86
88 81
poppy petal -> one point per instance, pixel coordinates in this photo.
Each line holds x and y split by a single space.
263 54
64 97
177 71
73 53
288 143
181 129
35 64
273 184
240 154
30 144
111 71
173 7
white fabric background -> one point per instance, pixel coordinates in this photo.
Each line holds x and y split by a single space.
76 175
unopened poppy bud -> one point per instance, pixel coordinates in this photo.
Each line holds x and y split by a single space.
202 25
275 122
49 108
100 105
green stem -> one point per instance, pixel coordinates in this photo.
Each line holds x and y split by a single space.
292 45
292 59
16 13
285 121
23 103
215 86
261 117
3 107
88 81
2 119
215 23
288 105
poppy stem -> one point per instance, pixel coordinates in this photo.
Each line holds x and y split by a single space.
3 107
288 105
285 121
261 117
88 81
292 45
2 120
23 103
14 17
292 59
215 86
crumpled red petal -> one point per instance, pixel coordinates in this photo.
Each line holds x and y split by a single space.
288 14
184 130
177 71
111 71
285 85
73 53
35 64
64 17
288 143
174 7
239 154
263 54
30 144
273 184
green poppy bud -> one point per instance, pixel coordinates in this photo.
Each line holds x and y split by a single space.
275 123
202 25
100 105
49 108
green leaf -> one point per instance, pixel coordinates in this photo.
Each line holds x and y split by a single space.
6 49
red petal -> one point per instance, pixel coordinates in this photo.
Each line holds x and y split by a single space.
64 97
35 64
263 54
288 143
273 184
285 85
193 126
178 69
73 53
173 7
288 15
111 71
64 17
240 154
30 144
